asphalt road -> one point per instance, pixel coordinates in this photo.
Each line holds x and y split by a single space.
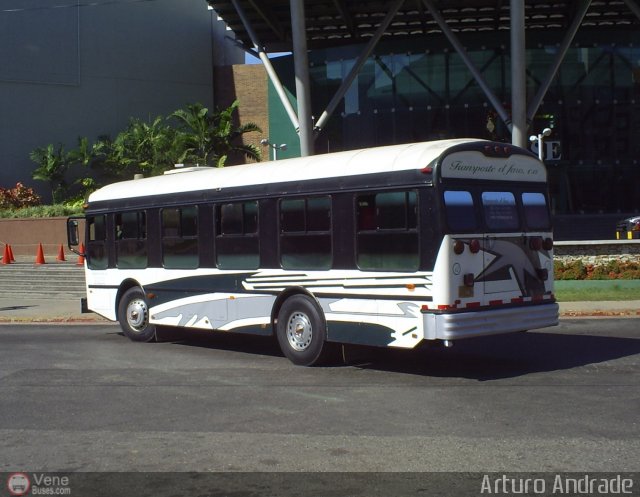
85 398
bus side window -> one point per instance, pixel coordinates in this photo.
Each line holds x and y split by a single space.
536 212
387 237
305 236
460 211
500 211
131 240
237 243
180 238
96 243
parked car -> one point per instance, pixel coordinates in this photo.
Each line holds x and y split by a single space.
628 229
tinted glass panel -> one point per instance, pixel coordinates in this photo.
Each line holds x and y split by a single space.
305 252
292 215
535 210
387 238
250 217
237 244
237 252
319 214
391 210
96 253
180 238
500 211
231 219
97 228
388 251
131 240
305 239
460 212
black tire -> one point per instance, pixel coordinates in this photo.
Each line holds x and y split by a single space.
133 315
302 331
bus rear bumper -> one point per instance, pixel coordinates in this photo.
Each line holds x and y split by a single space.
454 326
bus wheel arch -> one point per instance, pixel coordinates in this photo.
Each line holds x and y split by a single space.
300 327
132 310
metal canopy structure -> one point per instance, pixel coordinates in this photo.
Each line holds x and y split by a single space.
267 26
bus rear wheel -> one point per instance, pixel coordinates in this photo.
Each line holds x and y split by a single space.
133 315
302 331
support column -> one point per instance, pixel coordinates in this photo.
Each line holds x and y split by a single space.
518 76
301 65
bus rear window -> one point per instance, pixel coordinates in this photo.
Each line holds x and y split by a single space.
536 212
500 211
460 210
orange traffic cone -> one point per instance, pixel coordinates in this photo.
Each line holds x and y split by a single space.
40 255
61 254
81 256
6 257
11 257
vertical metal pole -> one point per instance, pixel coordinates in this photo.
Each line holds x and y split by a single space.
301 66
518 75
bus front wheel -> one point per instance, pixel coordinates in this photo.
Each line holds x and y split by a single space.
302 331
133 315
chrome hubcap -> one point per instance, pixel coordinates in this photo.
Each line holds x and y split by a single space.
137 314
299 331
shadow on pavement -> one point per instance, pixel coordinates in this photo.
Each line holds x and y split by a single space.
506 356
482 359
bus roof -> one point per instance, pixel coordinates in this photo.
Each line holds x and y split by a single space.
340 164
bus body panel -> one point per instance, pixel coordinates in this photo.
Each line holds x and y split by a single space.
463 281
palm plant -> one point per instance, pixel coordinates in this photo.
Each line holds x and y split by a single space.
209 138
53 163
144 147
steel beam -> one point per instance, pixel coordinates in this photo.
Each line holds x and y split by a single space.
271 72
364 55
634 7
535 102
453 39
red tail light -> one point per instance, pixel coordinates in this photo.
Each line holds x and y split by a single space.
474 246
535 243
547 244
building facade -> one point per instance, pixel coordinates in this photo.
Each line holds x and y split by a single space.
70 69
415 90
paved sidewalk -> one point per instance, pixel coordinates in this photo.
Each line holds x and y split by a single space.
17 310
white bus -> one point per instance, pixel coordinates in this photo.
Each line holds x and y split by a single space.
389 246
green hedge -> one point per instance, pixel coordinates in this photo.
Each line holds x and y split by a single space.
58 210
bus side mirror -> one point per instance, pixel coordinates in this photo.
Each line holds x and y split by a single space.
72 233
73 236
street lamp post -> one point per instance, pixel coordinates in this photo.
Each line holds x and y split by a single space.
539 139
274 146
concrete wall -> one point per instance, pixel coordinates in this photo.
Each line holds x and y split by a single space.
85 69
24 236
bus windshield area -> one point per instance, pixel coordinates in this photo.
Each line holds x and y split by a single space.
496 211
